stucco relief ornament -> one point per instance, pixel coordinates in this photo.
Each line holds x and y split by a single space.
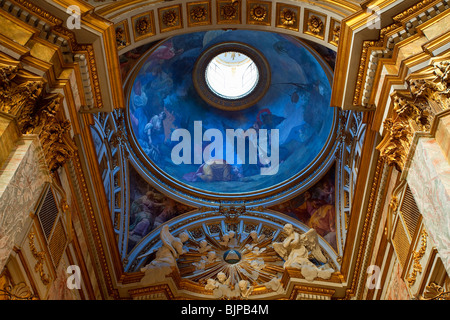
170 18
296 250
288 17
229 11
166 256
258 12
143 25
199 13
315 25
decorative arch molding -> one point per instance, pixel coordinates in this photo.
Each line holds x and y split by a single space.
140 22
210 226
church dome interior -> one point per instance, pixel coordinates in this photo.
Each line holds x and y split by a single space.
224 150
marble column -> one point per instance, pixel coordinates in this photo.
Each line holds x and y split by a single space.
428 177
22 178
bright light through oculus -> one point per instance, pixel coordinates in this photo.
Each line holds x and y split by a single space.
232 75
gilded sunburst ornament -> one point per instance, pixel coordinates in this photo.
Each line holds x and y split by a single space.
229 11
170 18
143 25
288 17
199 13
258 12
315 24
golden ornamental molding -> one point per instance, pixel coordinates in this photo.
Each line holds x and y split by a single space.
40 257
37 112
406 25
417 256
93 224
10 291
435 292
53 28
414 111
290 18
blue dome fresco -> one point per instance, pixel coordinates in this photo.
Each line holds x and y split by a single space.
191 142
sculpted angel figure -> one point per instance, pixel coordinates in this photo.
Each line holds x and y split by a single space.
296 249
204 246
168 253
245 289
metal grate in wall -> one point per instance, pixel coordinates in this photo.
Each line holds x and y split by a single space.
401 243
48 212
410 212
57 243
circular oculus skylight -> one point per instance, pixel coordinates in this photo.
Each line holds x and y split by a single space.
231 75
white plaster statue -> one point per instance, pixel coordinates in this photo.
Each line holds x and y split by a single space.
257 264
296 249
166 256
233 241
228 239
221 287
257 251
209 258
225 240
275 285
204 246
255 237
245 289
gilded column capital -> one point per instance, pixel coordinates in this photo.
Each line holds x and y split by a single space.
23 96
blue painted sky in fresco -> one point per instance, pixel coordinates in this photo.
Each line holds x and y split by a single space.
297 101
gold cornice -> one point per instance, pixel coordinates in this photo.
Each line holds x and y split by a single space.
414 10
15 29
119 8
298 289
45 15
83 5
381 44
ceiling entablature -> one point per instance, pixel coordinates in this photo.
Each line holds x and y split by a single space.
231 256
86 46
141 22
376 34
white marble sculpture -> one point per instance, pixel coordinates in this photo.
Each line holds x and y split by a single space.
257 251
296 249
275 285
209 258
228 239
166 256
245 289
225 240
204 246
222 287
255 237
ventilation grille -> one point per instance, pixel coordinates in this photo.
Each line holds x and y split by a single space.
47 213
410 212
57 243
401 243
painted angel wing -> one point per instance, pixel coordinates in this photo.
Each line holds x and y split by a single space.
312 244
